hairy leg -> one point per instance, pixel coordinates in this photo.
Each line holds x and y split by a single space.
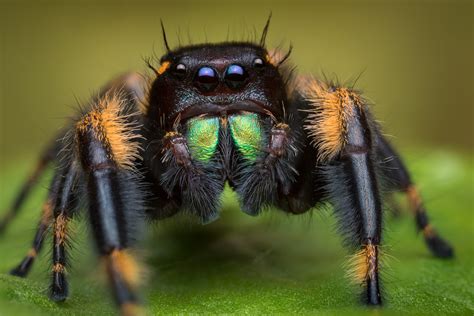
341 131
63 212
44 224
45 159
107 146
399 180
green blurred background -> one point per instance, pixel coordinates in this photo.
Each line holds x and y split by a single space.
416 57
417 64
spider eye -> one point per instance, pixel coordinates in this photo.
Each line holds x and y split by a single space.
235 76
206 79
258 62
180 70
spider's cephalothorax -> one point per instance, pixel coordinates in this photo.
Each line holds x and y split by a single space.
214 114
217 114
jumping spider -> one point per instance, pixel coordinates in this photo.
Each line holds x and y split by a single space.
213 114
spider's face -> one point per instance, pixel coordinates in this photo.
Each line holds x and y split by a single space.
217 80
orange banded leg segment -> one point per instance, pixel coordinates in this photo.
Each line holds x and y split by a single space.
107 148
399 180
63 211
123 272
44 224
435 243
341 131
364 267
40 168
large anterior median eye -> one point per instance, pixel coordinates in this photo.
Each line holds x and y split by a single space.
247 134
202 137
235 76
206 79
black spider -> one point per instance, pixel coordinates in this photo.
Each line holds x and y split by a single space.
152 146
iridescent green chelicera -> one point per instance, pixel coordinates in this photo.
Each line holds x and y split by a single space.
247 134
203 136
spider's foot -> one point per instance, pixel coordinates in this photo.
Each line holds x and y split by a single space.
372 295
25 265
439 247
59 288
374 302
59 294
17 272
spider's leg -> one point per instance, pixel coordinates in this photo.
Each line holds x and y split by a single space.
399 180
340 128
29 184
107 147
44 224
63 210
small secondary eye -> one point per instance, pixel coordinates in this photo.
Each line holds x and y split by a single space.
206 79
235 76
180 70
258 62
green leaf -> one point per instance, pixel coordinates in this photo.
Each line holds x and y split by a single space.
273 264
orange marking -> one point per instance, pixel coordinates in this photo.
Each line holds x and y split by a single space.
429 231
32 253
274 57
163 67
166 140
327 120
60 228
58 268
113 129
131 309
122 263
363 265
271 59
47 213
171 134
282 126
414 198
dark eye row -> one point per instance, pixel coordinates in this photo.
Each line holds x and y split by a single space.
232 70
207 78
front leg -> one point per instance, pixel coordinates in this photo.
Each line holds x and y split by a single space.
341 131
107 147
398 179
